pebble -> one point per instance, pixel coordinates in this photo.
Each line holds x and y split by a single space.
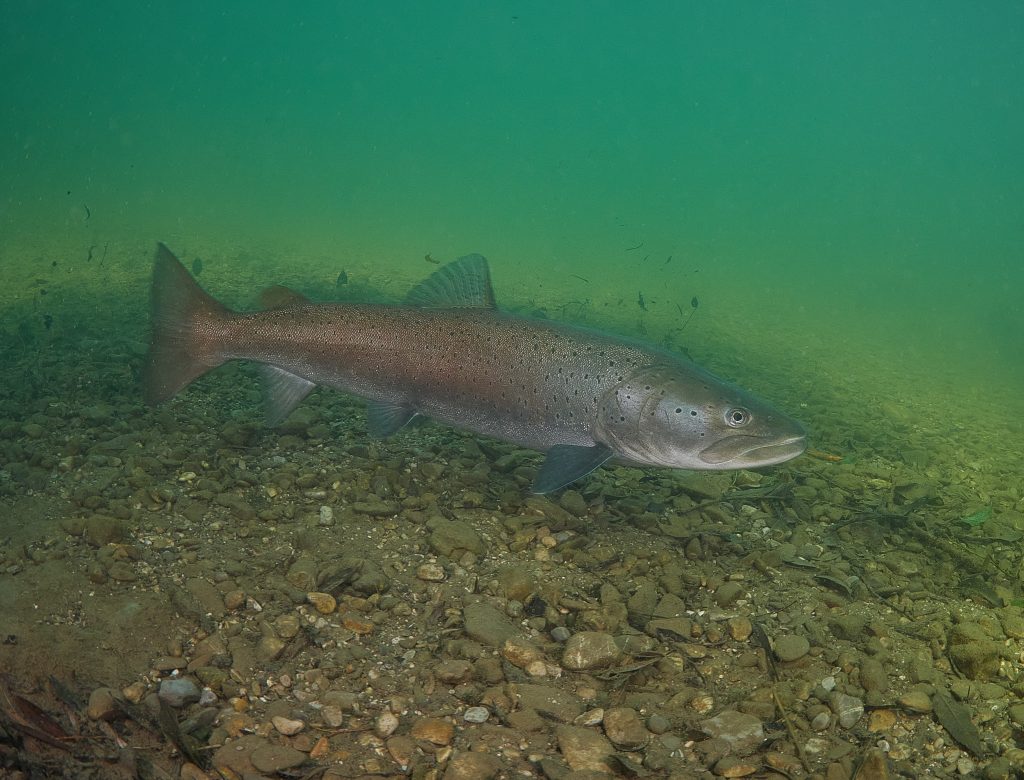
234 599
560 633
741 730
332 716
121 572
452 538
472 766
873 676
402 749
791 647
658 724
560 705
430 572
453 672
287 726
521 652
848 709
101 530
102 704
320 749
536 669
584 750
302 574
622 725
356 623
881 721
287 625
324 603
476 715
590 650
820 721
385 725
740 628
728 593
590 717
919 701
179 692
269 648
487 625
732 766
435 730
134 692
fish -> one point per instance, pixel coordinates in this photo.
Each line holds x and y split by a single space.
581 396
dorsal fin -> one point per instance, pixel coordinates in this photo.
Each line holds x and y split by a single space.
462 284
280 297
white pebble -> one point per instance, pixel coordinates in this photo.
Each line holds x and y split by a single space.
385 725
476 715
287 726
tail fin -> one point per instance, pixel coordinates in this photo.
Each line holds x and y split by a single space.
187 330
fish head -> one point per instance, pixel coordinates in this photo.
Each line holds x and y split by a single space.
681 416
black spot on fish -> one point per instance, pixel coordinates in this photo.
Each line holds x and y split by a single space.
197 266
640 301
341 280
694 302
47 321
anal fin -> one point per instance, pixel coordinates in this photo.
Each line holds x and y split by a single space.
566 463
282 392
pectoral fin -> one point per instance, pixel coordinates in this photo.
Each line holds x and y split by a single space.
566 463
384 419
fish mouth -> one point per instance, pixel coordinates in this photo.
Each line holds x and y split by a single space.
752 451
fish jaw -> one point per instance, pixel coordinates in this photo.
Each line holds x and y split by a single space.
751 452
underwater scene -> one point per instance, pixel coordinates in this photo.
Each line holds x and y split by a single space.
478 391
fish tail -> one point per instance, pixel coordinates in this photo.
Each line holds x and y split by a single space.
188 328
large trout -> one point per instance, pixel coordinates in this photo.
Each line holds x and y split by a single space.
582 396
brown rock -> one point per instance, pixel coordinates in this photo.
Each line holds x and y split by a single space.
472 766
875 766
881 721
356 623
234 599
402 750
102 704
590 650
622 725
731 766
453 672
435 730
583 748
521 652
324 603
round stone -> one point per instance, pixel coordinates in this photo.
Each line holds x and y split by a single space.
791 647
476 715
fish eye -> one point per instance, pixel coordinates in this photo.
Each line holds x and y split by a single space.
737 417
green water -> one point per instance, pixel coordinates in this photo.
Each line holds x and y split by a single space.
835 182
